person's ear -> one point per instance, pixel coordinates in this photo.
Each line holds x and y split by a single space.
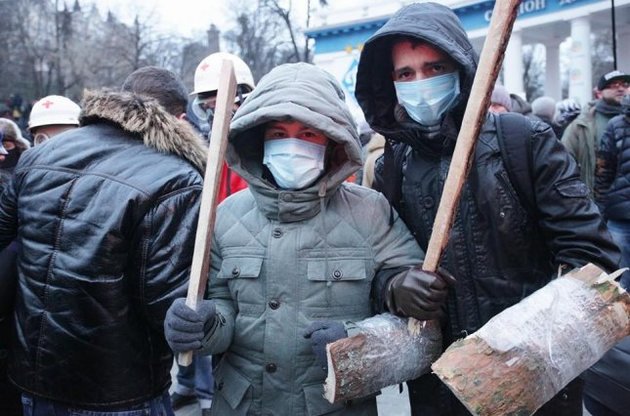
183 116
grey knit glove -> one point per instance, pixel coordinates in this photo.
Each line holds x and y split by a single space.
321 333
185 328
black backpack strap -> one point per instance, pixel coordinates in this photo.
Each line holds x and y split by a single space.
391 186
514 132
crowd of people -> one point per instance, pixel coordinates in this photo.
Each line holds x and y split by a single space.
99 207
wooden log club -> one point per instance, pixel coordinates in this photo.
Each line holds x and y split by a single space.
526 354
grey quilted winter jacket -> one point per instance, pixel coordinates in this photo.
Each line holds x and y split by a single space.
282 259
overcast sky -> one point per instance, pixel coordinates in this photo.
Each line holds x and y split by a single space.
189 18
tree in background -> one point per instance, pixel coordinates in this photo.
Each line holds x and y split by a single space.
56 49
534 71
601 53
266 34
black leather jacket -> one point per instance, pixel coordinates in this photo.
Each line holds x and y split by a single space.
105 215
499 250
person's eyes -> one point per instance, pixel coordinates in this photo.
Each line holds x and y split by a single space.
275 134
437 69
404 75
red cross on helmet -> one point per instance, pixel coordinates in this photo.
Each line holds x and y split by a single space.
53 110
209 69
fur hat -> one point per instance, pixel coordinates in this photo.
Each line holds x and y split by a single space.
500 95
10 131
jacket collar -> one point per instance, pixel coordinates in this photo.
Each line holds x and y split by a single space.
148 121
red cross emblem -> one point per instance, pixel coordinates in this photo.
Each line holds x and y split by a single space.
47 104
204 66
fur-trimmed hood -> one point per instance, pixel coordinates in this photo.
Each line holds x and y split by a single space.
146 119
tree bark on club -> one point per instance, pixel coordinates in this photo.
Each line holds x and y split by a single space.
526 354
388 350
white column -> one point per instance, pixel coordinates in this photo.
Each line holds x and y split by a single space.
580 85
513 65
623 50
553 88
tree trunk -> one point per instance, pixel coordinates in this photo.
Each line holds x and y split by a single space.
387 351
526 354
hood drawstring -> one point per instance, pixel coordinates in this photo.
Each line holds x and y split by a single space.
321 193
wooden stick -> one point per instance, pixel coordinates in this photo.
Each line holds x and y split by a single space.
503 16
211 181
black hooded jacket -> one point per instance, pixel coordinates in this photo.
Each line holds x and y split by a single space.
106 217
499 250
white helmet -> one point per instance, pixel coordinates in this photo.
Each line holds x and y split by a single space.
54 109
208 72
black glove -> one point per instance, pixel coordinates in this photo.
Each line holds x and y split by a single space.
322 333
185 328
418 294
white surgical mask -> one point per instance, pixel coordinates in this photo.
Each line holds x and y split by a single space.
294 163
427 100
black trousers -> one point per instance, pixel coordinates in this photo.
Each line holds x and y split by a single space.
430 397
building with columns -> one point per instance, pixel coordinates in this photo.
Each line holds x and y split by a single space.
342 31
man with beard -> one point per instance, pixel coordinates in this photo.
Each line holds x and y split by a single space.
582 137
514 228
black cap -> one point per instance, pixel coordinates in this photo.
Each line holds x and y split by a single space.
610 77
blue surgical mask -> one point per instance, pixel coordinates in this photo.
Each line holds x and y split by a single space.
427 100
294 163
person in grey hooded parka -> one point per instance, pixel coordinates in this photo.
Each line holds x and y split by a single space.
291 267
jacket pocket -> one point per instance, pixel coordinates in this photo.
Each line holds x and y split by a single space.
240 268
233 389
337 270
316 404
572 188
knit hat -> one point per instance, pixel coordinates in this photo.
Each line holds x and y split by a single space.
500 95
566 110
544 107
610 77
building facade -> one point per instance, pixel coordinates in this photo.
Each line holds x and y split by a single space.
552 23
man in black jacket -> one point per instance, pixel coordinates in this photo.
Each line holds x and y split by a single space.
501 249
105 216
